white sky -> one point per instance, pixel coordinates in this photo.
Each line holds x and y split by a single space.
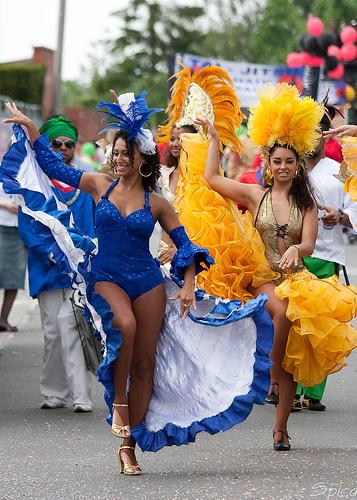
28 23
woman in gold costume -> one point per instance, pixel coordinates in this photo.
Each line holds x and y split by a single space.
311 337
311 331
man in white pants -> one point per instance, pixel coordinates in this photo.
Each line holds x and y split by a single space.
64 377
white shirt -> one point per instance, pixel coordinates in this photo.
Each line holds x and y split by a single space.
329 192
7 218
164 183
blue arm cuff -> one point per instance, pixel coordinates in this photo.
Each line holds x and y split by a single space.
187 253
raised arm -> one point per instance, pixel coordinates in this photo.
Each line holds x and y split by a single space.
51 164
247 194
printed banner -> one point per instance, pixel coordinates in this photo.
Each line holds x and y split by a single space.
247 77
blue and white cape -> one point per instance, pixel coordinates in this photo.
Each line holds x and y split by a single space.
210 368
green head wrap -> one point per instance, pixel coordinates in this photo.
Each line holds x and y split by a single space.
59 126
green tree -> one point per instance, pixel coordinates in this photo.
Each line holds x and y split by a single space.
149 33
278 28
333 12
232 25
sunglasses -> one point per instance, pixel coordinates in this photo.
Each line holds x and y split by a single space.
57 143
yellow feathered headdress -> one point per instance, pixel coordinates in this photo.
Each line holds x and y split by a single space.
283 117
207 94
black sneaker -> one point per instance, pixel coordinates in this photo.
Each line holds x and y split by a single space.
316 405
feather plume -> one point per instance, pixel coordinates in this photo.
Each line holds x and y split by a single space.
131 120
218 85
283 117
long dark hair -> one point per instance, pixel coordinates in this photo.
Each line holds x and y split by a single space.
300 190
151 163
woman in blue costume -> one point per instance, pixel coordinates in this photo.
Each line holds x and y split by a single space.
205 378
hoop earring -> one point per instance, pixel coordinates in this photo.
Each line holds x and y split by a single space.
145 175
269 177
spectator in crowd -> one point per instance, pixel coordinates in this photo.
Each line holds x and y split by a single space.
12 258
64 373
336 211
89 156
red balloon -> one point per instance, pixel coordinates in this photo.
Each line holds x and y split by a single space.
305 58
337 74
333 50
315 26
314 61
294 60
348 34
348 52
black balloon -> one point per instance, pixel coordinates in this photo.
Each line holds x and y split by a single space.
331 63
303 41
312 45
325 40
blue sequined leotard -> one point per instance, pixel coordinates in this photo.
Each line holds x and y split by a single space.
123 242
124 257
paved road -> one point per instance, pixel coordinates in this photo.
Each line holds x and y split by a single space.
56 454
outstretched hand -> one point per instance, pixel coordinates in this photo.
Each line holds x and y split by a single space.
165 256
289 259
186 295
342 131
17 116
211 131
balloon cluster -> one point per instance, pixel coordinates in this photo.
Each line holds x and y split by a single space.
325 48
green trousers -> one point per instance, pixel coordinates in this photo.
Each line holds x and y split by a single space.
322 269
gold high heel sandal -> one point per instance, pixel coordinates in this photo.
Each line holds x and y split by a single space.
121 431
128 469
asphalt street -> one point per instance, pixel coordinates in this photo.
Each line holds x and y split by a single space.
57 454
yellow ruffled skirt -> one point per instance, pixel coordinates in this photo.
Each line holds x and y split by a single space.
351 187
214 222
349 150
320 337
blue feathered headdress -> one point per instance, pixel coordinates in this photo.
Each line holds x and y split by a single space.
130 115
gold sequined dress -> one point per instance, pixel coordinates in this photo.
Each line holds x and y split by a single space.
320 336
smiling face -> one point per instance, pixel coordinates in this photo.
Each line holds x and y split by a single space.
174 142
122 164
283 164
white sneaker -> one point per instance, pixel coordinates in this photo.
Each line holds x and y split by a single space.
51 404
82 408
